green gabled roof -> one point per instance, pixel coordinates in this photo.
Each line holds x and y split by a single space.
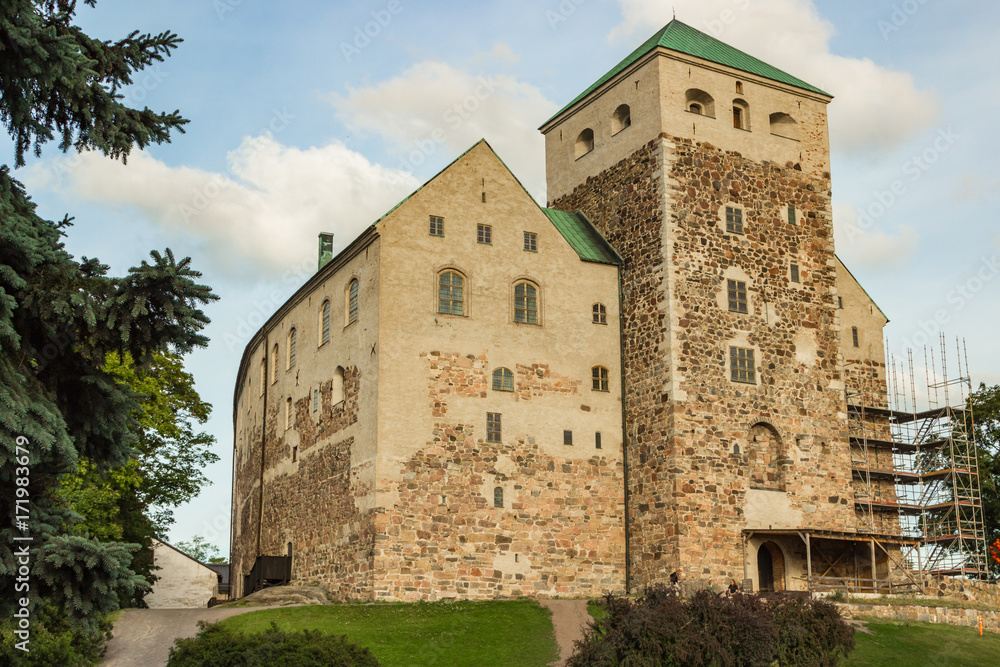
682 38
583 237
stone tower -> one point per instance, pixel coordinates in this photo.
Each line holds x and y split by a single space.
709 172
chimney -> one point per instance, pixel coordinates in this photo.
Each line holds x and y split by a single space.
325 248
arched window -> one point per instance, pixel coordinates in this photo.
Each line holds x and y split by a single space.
620 119
503 380
352 302
784 125
525 303
291 348
324 323
288 413
599 378
741 115
338 385
600 314
263 375
451 293
274 363
699 102
498 497
739 87
584 142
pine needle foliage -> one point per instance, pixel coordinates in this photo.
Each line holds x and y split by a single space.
61 318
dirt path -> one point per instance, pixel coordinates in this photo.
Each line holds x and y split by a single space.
143 637
569 618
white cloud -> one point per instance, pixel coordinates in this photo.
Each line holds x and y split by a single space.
261 216
871 248
875 109
434 107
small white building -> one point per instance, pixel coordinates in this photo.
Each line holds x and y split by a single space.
184 583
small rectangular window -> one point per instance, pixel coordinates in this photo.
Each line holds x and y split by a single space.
315 400
597 440
493 430
741 364
437 226
840 302
531 241
734 220
295 454
567 437
854 335
791 214
484 234
737 292
795 273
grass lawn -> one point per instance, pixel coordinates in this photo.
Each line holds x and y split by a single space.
501 632
918 644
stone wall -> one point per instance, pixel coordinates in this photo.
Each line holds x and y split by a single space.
559 531
929 614
625 202
694 436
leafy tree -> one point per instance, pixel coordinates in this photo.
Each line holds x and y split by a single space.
61 318
202 550
984 423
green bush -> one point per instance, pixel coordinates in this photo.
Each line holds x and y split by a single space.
218 646
54 641
706 630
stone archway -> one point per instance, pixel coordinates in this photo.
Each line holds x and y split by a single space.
766 460
770 568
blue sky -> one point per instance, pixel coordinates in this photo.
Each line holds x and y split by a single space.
301 122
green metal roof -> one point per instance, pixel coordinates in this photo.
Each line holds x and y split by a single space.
583 237
681 37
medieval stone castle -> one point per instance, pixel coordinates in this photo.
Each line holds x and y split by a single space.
481 397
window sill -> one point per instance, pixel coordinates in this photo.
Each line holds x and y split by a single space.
703 115
529 324
483 243
621 130
463 315
775 134
584 155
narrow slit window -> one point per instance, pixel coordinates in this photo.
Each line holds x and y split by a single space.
352 302
288 413
315 400
325 337
791 214
854 336
795 273
597 440
741 364
734 220
263 375
291 348
274 364
498 497
737 293
493 428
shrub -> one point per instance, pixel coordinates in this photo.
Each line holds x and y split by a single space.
218 646
54 640
706 630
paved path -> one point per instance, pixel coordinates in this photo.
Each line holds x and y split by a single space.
569 618
143 637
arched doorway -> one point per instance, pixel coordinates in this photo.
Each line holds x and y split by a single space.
770 568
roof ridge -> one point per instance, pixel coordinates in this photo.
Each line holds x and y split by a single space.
682 38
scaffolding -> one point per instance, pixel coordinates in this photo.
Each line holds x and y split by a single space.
915 471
